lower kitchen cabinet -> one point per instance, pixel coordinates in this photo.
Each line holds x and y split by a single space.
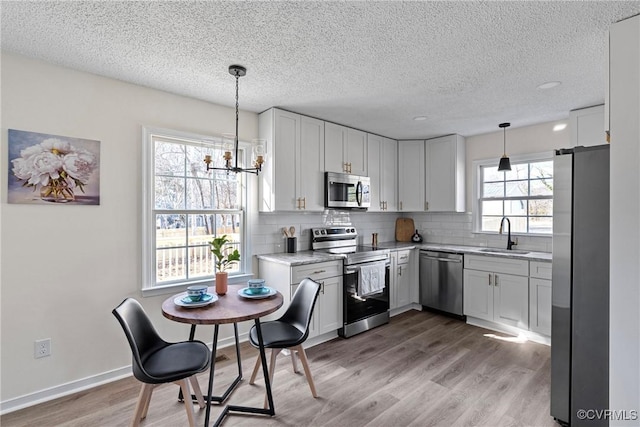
401 278
327 313
540 298
492 292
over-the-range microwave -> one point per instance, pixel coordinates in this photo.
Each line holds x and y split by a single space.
345 191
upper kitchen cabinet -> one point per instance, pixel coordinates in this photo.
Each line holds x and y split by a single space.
587 126
411 176
345 150
382 159
431 175
292 178
445 174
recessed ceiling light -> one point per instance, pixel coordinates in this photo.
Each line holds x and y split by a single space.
559 127
420 118
549 85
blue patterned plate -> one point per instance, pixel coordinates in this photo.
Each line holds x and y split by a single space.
246 293
185 301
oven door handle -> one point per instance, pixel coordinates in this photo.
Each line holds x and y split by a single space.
354 270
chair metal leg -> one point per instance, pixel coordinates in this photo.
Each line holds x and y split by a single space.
307 371
188 404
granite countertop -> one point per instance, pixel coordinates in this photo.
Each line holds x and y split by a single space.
396 246
312 257
475 250
301 257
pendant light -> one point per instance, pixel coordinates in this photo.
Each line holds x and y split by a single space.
230 142
505 163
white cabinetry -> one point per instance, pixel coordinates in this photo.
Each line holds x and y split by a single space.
382 154
587 126
327 314
411 176
401 278
431 175
345 150
292 177
540 297
445 174
497 289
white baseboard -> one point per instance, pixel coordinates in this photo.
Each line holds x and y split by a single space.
66 389
82 384
511 330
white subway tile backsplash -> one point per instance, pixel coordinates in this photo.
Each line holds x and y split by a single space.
446 228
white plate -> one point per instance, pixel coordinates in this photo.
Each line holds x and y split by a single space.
184 302
243 293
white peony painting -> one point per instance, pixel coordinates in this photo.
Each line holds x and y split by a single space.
52 169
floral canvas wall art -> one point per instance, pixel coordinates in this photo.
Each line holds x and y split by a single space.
52 169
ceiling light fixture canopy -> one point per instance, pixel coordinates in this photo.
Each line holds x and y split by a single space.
505 163
230 142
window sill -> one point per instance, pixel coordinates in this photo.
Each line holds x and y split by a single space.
181 287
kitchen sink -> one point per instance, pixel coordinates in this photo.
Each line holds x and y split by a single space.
504 251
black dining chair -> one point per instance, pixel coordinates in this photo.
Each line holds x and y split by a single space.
156 361
289 332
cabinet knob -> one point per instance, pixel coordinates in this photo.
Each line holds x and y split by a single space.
495 280
490 282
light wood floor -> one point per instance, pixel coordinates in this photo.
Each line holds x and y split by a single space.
422 369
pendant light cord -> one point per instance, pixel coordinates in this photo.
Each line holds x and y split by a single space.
504 141
237 117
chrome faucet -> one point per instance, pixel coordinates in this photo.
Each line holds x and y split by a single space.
510 243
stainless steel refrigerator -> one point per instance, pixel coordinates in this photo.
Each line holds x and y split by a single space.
580 286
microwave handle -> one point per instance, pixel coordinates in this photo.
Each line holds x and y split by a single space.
359 193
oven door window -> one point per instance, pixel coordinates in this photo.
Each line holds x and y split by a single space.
358 308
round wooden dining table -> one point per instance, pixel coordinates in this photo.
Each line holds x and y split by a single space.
229 308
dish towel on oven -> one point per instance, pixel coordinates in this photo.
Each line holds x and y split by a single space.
371 279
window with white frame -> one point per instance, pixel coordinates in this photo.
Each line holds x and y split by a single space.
524 195
186 207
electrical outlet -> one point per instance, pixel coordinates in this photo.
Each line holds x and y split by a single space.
42 348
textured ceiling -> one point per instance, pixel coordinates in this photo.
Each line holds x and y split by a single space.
466 66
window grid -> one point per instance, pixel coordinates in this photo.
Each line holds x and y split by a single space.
524 195
190 207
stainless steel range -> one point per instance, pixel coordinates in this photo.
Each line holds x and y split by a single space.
365 278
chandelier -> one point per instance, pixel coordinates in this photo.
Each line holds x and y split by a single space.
230 142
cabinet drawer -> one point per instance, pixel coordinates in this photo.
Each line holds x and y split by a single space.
317 271
404 257
496 264
540 270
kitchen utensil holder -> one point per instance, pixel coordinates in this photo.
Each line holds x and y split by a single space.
292 245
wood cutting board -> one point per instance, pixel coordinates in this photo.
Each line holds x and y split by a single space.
404 229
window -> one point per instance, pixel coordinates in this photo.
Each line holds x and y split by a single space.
524 194
186 207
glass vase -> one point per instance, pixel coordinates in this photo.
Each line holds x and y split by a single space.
57 191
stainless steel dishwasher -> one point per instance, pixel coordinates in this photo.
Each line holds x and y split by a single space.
441 281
